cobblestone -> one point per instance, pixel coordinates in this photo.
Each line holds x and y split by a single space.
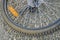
6 33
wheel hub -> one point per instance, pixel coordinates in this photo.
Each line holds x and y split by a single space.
34 4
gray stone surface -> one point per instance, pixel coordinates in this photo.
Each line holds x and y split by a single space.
6 33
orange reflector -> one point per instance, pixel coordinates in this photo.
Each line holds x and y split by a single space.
13 11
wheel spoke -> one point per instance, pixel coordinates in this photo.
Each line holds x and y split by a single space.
53 10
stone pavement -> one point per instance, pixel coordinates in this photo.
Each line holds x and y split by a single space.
6 33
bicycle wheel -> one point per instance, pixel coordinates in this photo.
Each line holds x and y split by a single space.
44 18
